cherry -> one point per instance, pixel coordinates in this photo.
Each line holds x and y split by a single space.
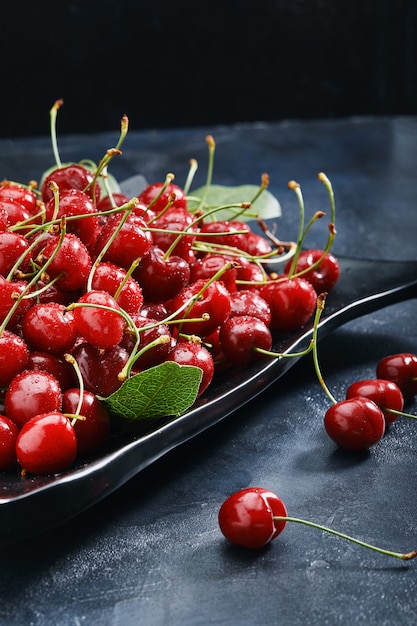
255 245
49 327
93 431
16 212
196 354
101 325
166 231
128 244
322 276
14 355
71 262
224 233
31 393
150 331
386 394
355 424
246 518
241 336
402 370
73 203
159 195
107 203
71 176
207 266
125 289
8 436
46 444
209 299
12 247
249 302
24 195
253 517
100 368
292 303
10 291
161 277
54 364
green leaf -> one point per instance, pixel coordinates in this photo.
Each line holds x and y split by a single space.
165 390
266 205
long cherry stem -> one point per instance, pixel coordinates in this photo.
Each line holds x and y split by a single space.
398 555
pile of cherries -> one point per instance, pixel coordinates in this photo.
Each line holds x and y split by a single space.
97 287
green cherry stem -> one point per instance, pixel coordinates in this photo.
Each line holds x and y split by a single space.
70 359
398 555
321 299
190 176
211 150
52 118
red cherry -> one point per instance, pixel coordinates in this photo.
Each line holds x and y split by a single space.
48 327
402 370
160 199
194 353
241 335
207 266
73 203
12 246
249 302
20 193
109 277
16 211
93 431
214 301
31 393
355 424
246 518
46 444
14 355
150 331
161 277
292 303
100 368
8 437
71 261
55 365
386 394
102 327
324 276
131 242
224 233
71 176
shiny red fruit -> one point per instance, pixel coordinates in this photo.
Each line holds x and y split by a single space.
246 518
323 277
46 444
8 436
292 303
386 394
355 424
401 368
93 431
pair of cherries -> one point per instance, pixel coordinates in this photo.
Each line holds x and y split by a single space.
360 421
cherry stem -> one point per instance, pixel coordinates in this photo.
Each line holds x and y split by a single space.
398 555
211 147
125 372
399 413
52 117
190 176
294 186
321 299
70 359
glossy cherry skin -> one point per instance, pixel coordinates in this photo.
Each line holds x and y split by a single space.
130 243
246 518
159 199
161 277
72 176
355 424
101 327
14 355
49 327
292 303
214 301
197 355
8 437
249 302
109 277
74 203
54 364
31 393
46 444
240 335
20 193
71 262
207 266
386 394
401 368
93 431
100 368
12 247
323 277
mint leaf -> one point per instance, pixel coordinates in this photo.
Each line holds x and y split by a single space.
266 206
165 390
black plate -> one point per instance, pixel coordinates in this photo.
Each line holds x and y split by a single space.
33 504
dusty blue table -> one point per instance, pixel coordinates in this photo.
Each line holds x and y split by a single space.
151 553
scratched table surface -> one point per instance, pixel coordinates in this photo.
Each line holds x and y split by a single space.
151 553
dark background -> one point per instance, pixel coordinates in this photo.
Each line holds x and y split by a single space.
192 63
